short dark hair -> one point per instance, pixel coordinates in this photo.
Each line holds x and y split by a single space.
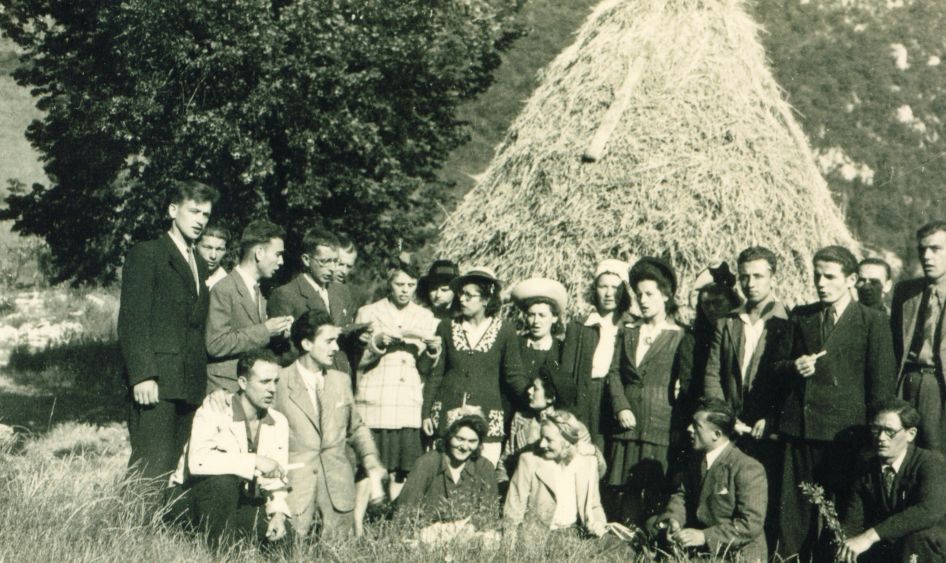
346 243
216 230
839 255
247 360
308 325
317 237
874 261
754 253
259 232
930 228
909 416
488 289
645 272
474 423
182 190
719 413
548 386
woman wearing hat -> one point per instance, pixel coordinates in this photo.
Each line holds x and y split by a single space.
589 345
390 383
653 359
433 290
542 302
480 357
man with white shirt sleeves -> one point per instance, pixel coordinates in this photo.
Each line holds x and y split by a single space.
720 503
895 512
233 468
237 320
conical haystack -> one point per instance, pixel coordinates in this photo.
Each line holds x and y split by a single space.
660 131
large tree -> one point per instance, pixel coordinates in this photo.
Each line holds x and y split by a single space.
309 112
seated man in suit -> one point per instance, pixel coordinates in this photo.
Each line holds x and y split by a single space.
317 399
720 503
237 320
315 289
896 511
233 466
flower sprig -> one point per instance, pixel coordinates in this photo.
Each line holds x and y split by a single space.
826 510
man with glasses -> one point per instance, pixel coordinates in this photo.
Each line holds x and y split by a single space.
315 289
895 512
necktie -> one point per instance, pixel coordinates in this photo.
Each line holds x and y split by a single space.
827 323
934 310
704 468
192 262
259 304
889 474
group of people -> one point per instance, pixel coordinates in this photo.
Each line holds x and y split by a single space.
285 415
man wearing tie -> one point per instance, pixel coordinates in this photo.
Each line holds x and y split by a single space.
317 400
160 330
237 321
841 360
916 318
895 512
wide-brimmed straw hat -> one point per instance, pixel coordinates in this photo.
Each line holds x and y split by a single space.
527 290
480 273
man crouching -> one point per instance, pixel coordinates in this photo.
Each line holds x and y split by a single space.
232 470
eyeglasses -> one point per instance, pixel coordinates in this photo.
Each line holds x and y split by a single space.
325 261
876 429
465 295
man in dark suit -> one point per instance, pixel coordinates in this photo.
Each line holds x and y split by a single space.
841 360
314 289
237 321
916 318
161 321
720 503
895 512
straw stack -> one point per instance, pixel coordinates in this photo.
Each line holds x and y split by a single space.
660 131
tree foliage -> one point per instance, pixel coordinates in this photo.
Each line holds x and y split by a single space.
309 112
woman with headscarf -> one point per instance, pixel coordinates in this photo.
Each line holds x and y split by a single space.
480 357
651 366
433 289
401 346
589 345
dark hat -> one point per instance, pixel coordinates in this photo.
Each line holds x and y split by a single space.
481 273
649 266
440 272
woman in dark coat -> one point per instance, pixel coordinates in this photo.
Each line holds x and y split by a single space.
651 367
433 290
480 358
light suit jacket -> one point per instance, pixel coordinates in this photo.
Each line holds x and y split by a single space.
218 446
318 441
234 326
532 491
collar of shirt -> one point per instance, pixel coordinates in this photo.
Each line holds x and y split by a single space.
840 305
215 277
541 345
765 309
896 463
180 243
604 322
713 455
247 280
240 416
312 379
323 292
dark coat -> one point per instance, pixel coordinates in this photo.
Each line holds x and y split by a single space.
754 396
161 320
547 365
430 488
648 389
909 300
728 504
857 371
919 497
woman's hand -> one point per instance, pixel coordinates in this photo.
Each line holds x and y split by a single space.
627 420
428 426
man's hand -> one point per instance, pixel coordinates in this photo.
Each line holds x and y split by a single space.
146 392
690 537
758 429
428 426
276 530
269 468
627 420
279 325
805 365
853 547
377 476
742 428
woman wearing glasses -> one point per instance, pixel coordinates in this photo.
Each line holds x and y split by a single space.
480 356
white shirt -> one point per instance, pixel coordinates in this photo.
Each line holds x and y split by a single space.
751 335
604 351
712 455
323 293
566 497
313 382
897 462
248 281
475 333
181 244
215 277
840 305
541 345
455 472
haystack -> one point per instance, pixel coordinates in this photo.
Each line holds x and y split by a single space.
660 131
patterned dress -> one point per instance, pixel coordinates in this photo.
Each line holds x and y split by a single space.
473 373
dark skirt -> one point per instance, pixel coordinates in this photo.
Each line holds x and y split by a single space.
399 448
640 469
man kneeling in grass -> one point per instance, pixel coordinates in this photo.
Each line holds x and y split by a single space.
233 467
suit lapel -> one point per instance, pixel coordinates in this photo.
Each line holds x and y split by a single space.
734 325
337 305
313 301
714 474
662 340
810 326
247 300
844 325
299 395
544 472
631 337
179 265
911 308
